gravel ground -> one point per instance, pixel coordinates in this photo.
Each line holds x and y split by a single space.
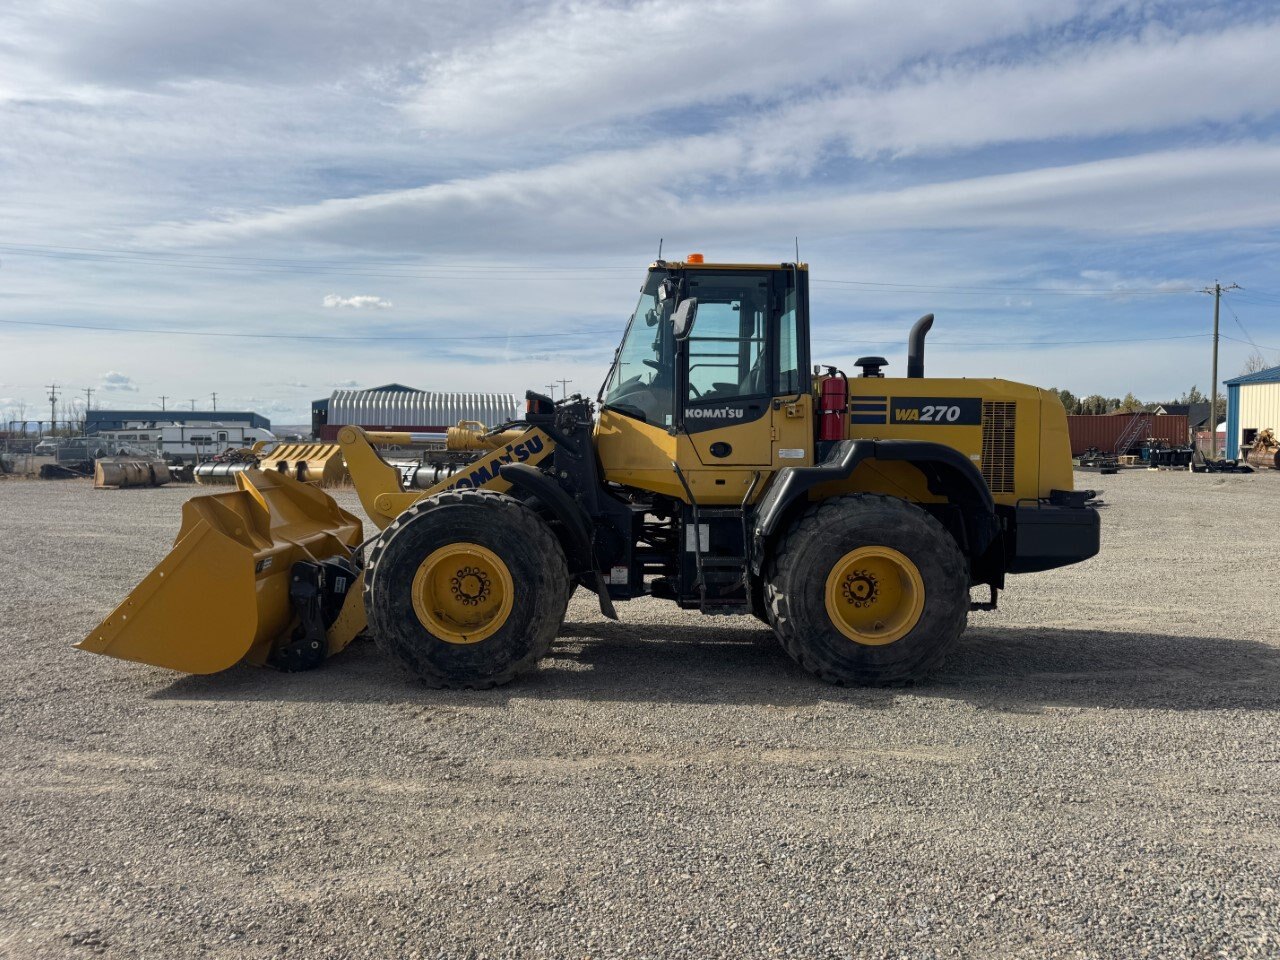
1093 773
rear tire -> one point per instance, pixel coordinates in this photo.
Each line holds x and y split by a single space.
467 588
867 589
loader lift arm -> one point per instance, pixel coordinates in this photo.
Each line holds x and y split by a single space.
561 437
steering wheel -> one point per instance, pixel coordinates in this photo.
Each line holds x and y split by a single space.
652 363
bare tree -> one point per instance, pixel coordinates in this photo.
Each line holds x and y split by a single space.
1255 362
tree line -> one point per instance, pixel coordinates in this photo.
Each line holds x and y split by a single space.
1097 405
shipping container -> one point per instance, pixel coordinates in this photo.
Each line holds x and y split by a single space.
1106 432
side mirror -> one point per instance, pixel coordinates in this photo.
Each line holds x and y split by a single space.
682 319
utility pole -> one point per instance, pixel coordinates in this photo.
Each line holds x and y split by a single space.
193 405
215 401
564 388
88 397
53 407
1216 290
551 390
163 398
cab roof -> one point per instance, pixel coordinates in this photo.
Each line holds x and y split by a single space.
685 265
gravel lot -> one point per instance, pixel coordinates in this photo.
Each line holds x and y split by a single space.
1094 773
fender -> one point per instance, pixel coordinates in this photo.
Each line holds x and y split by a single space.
577 526
946 471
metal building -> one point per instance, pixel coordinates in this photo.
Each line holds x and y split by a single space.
98 420
1253 404
394 406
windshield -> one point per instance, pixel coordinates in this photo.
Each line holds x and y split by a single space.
641 382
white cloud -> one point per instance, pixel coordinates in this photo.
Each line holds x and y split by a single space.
1154 82
346 384
956 143
584 63
117 382
361 302
581 203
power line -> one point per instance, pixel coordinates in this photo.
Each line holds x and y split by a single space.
1260 346
1258 300
299 336
1020 343
889 287
1236 317
537 336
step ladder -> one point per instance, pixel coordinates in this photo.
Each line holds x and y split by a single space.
721 574
1135 429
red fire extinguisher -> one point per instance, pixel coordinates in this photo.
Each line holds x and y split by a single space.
833 401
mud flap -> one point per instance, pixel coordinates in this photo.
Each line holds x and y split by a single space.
223 592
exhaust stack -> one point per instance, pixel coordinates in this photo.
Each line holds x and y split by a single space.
915 346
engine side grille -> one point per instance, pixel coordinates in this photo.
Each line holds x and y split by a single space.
998 445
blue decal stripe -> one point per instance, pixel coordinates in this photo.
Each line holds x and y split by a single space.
868 406
868 418
861 397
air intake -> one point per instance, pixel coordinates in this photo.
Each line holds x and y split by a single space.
998 445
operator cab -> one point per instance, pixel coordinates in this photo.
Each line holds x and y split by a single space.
710 345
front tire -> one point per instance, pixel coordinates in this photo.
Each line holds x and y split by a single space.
867 589
467 588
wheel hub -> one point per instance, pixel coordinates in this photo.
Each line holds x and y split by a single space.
463 593
874 595
860 588
470 585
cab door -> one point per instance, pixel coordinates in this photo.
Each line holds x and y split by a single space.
794 428
727 379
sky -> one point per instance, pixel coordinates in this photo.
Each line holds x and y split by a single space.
273 200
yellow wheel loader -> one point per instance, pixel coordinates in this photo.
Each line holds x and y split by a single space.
853 515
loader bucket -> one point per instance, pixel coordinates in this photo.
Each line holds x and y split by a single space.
222 593
319 463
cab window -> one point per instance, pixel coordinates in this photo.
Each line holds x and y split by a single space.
642 377
728 347
790 379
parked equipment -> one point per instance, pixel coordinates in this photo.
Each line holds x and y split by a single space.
1176 458
77 470
712 477
1264 452
222 469
319 463
128 472
1094 460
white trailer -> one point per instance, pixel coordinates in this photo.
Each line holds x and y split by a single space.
188 443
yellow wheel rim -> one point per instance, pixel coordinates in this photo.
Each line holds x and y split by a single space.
874 595
462 593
